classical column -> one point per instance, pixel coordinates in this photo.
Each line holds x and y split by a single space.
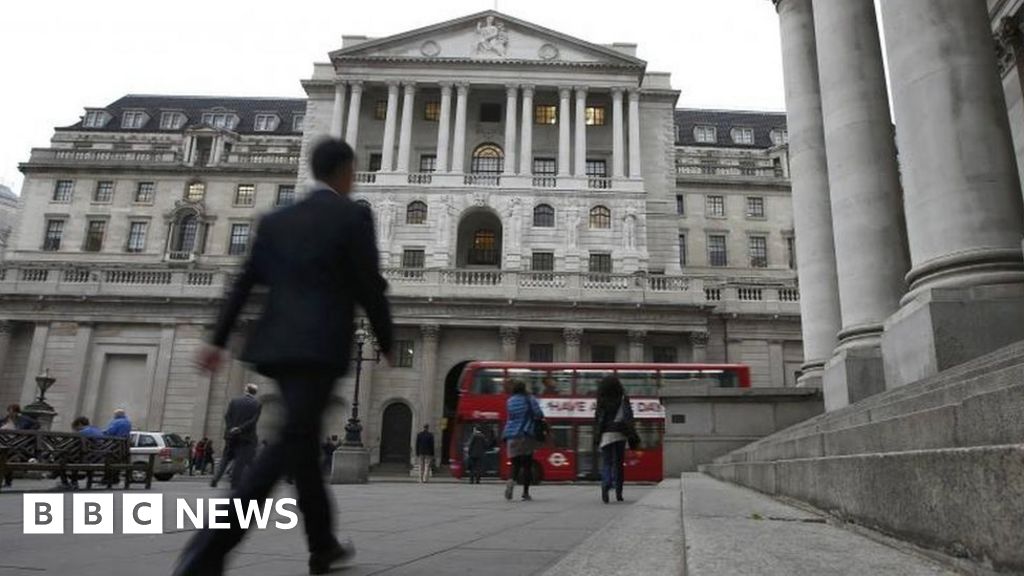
6 333
444 127
430 334
699 346
581 132
459 142
387 153
617 137
509 342
864 192
511 93
636 345
405 137
572 338
354 103
961 189
162 376
338 112
564 113
76 380
812 210
526 141
634 133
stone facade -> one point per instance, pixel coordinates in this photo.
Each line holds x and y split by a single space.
571 254
8 216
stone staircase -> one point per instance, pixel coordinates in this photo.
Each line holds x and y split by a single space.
939 463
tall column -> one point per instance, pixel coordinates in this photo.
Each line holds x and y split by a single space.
444 127
354 104
634 133
338 112
564 113
459 138
961 189
509 342
387 153
572 338
405 137
618 161
526 140
76 382
812 210
699 346
430 334
581 132
636 345
511 93
6 333
864 192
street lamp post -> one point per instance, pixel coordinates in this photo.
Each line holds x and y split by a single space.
351 461
354 429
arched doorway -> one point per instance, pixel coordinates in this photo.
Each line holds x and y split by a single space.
396 434
479 240
451 405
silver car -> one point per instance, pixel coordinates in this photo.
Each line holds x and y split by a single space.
170 449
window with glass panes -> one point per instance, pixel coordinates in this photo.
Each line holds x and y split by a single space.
145 192
597 168
245 195
171 120
543 216
600 217
63 190
743 135
664 354
133 119
594 115
682 250
195 192
542 352
297 122
428 162
239 242
94 235
680 204
705 134
716 250
431 110
544 167
380 109
413 258
136 237
416 213
715 206
600 263
487 159
376 160
542 261
54 235
265 123
604 353
285 195
104 191
758 251
791 252
405 352
755 207
545 114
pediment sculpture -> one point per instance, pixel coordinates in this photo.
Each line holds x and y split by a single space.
491 37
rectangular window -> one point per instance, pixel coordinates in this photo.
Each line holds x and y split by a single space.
297 122
136 237
758 252
664 354
490 112
705 134
791 252
755 207
542 262
376 160
245 195
428 162
133 119
405 352
239 241
544 167
171 120
265 123
743 136
380 110
779 137
220 120
95 119
596 168
680 205
682 250
94 235
602 353
63 191
545 114
104 192
600 263
717 255
594 115
145 193
715 206
432 111
285 195
542 352
54 234
413 258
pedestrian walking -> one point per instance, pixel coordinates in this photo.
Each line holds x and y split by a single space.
317 258
524 420
614 420
190 445
476 447
239 435
198 457
425 453
208 460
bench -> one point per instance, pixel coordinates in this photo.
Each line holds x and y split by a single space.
64 452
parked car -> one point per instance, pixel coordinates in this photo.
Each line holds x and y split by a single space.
170 449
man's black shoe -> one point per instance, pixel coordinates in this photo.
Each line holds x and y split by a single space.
320 562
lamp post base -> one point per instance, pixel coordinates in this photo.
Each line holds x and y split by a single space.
350 465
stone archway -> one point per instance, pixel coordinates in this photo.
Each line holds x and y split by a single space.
396 434
479 243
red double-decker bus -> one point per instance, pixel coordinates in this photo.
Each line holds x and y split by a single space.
566 393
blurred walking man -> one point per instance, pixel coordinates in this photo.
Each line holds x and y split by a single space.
425 453
317 258
239 435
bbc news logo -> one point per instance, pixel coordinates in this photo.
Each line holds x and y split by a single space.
144 513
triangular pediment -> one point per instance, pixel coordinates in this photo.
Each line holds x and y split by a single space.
490 37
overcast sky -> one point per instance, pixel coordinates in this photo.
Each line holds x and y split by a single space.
56 57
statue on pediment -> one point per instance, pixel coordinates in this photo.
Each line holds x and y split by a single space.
491 37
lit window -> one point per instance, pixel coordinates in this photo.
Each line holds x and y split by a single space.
94 235
542 262
780 136
245 195
600 263
405 351
543 216
542 352
705 134
416 213
755 207
488 159
137 237
758 252
600 217
95 119
428 162
490 112
104 192
743 136
265 123
715 206
297 122
716 250
545 114
380 109
195 192
145 192
682 250
239 241
432 111
63 191
54 234
413 258
285 195
594 115
171 120
680 204
484 249
133 119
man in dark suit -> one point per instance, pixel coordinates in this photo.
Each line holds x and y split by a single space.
318 258
239 435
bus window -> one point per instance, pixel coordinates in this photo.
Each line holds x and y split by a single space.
557 383
489 381
560 437
650 434
587 380
639 383
722 378
534 379
679 376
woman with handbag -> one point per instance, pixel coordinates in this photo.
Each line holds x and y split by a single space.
524 423
614 418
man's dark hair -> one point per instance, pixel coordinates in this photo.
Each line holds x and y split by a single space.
81 421
330 156
517 386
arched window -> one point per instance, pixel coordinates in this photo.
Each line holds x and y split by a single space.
484 251
600 217
488 159
543 216
195 192
188 232
416 213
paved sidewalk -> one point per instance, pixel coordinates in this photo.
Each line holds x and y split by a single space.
398 528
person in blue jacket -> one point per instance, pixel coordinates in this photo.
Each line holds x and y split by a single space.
83 427
522 410
120 426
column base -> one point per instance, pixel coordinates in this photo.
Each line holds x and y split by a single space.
350 465
811 375
944 327
852 375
